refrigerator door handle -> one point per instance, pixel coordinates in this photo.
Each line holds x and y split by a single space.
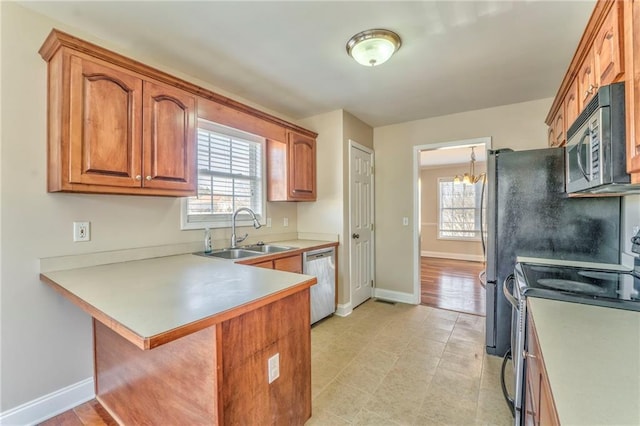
507 293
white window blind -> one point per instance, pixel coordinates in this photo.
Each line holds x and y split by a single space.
230 175
459 209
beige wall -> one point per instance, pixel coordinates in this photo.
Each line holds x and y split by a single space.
518 126
46 341
330 214
429 241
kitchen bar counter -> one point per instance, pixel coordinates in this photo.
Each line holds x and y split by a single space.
153 301
592 358
191 340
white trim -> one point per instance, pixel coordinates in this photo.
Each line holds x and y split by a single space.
354 144
396 296
342 310
456 256
415 255
50 405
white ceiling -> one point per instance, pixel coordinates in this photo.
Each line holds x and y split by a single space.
290 56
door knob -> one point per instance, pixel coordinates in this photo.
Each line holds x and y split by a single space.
355 236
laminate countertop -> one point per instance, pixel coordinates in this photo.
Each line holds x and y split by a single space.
592 358
154 301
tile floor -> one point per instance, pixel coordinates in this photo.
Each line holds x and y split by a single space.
404 365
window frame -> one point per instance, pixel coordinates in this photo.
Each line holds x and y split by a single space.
225 220
477 207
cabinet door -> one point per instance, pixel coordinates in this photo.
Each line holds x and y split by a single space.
105 119
607 50
557 133
571 105
551 137
302 166
586 81
289 264
169 138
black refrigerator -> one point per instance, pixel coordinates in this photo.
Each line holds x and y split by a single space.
529 214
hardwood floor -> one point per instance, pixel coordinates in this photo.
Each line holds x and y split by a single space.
452 284
88 414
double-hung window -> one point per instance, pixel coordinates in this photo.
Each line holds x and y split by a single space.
230 176
459 209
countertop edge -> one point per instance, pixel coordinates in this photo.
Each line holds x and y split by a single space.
185 330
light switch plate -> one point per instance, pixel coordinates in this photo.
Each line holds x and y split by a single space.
285 222
405 221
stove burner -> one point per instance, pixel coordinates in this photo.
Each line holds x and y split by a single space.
608 276
573 286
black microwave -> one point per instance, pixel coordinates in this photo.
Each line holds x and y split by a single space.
595 154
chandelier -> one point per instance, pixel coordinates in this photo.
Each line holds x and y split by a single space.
470 177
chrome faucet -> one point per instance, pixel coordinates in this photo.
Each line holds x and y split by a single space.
256 224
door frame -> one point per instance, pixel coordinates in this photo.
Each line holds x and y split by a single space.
417 222
353 144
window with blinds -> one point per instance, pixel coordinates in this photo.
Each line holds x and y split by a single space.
459 205
230 176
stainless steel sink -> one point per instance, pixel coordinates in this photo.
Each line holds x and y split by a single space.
267 248
232 253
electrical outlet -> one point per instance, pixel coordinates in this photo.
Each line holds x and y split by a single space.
268 222
81 231
285 222
405 221
273 367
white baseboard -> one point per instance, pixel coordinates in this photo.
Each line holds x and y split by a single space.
344 309
456 256
395 296
50 405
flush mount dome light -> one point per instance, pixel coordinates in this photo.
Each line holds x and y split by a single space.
373 47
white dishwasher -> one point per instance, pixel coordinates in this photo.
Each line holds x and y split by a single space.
321 263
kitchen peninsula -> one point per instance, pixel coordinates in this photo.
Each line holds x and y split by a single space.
186 340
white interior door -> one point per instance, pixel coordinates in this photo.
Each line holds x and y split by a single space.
361 223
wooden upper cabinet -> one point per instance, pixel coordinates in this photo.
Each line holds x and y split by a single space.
291 168
168 138
111 129
105 120
607 49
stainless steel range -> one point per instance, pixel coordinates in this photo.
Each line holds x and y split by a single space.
610 286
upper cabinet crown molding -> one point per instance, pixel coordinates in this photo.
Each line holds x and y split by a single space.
58 39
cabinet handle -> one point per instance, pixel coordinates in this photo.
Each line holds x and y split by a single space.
138 177
526 355
355 236
148 178
592 88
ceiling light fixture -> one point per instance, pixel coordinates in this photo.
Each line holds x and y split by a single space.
373 47
470 177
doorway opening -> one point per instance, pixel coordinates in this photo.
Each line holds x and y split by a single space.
450 186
